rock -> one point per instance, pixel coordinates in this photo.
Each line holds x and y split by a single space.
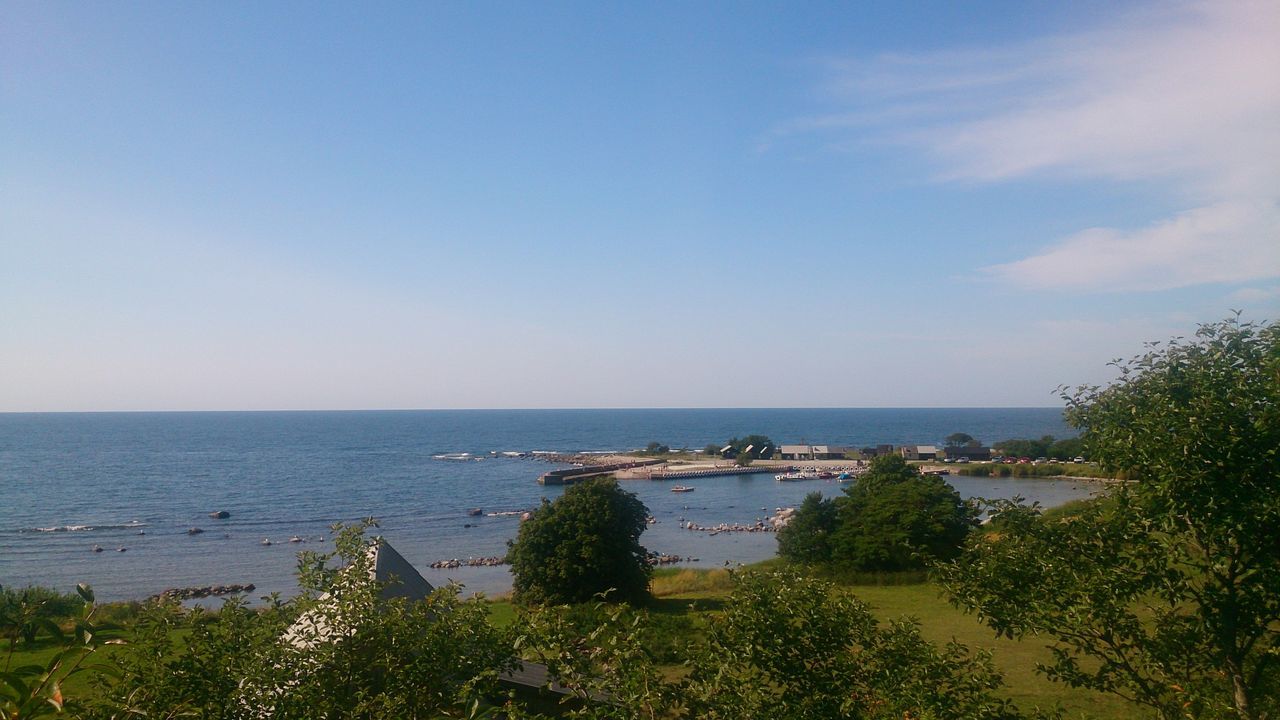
194 531
220 515
97 548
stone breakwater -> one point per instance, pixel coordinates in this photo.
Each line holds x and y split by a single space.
664 559
194 593
494 561
773 524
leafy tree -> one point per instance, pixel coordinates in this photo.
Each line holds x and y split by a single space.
1170 594
894 518
807 537
1066 449
1026 448
961 440
583 544
656 448
762 448
711 450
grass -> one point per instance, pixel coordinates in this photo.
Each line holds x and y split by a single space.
1016 659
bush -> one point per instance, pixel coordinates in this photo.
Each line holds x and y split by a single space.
789 646
585 543
340 650
39 601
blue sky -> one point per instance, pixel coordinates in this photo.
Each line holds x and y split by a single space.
449 205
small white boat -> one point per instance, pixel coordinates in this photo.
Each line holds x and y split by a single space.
791 477
681 488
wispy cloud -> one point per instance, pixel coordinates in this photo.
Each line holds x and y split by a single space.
1230 241
1185 95
1252 295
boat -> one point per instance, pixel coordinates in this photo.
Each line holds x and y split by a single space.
791 477
681 488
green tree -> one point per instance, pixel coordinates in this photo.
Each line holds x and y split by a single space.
789 646
1169 594
761 447
807 537
894 518
1026 448
961 440
583 544
1066 449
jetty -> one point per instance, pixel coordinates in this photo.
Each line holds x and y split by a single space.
675 473
568 476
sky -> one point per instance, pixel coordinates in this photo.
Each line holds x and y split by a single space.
281 205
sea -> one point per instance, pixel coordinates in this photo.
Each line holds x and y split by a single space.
141 481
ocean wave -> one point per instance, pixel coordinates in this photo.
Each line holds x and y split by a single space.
86 528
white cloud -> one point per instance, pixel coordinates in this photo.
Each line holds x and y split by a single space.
1184 95
1254 295
1231 241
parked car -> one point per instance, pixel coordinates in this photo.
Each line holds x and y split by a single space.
1079 459
962 460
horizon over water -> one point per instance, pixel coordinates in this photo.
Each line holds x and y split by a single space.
69 481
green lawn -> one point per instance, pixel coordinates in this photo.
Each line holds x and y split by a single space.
940 622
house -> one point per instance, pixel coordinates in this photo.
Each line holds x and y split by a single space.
969 453
813 452
919 452
877 451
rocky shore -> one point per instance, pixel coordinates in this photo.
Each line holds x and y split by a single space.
493 561
194 593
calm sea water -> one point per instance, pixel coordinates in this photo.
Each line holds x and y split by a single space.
72 481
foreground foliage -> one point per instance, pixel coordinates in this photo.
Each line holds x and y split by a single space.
1169 594
31 691
340 650
784 646
584 543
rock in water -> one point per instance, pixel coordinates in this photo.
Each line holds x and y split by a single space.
220 515
194 531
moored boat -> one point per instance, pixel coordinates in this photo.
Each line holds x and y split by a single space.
681 488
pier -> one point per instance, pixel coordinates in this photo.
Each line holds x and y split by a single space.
707 472
568 476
